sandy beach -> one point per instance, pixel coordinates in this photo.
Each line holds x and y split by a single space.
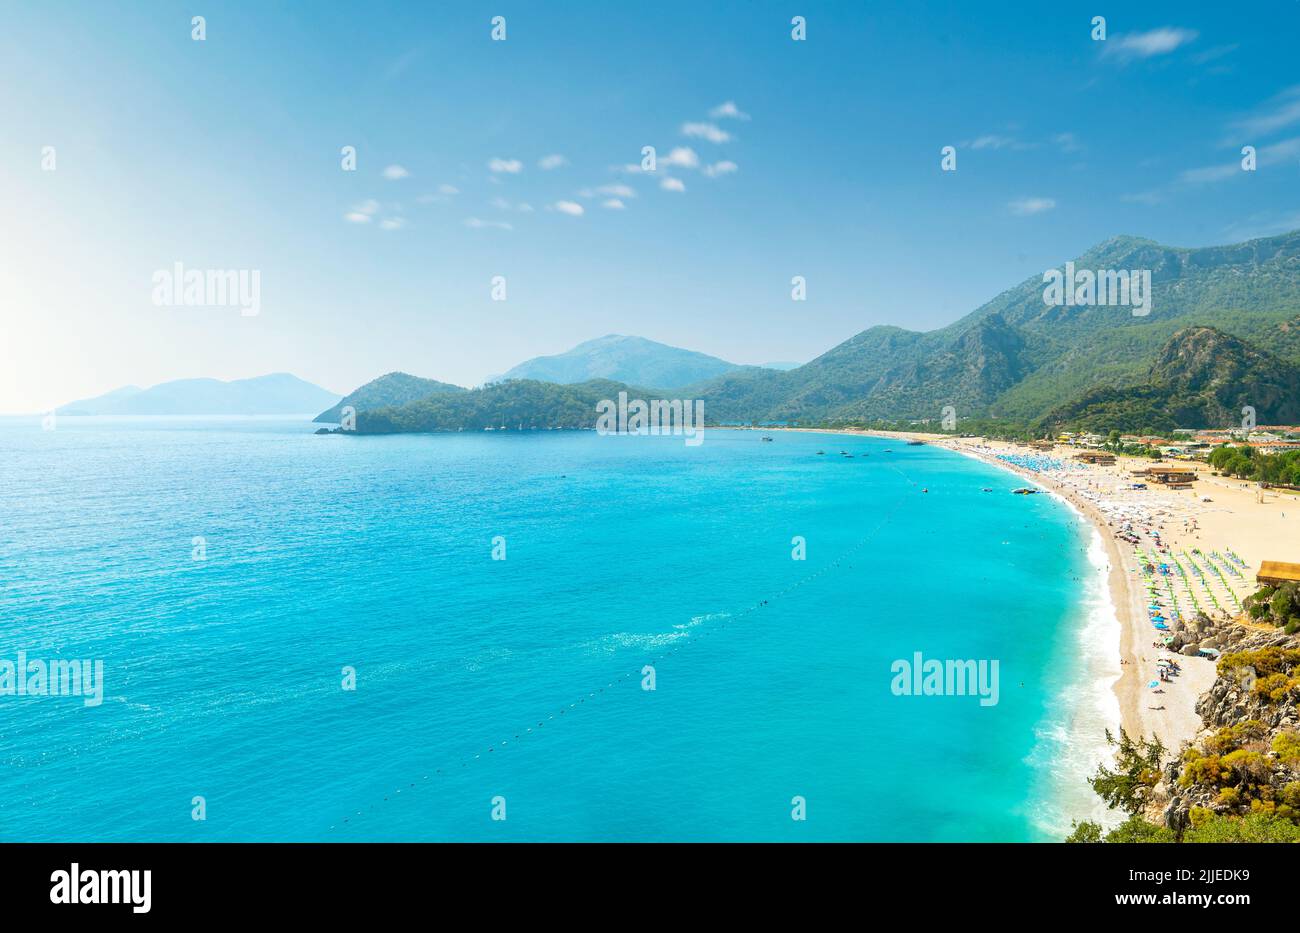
1218 544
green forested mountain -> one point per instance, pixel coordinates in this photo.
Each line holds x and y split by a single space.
884 372
520 404
1017 357
633 360
1201 377
392 389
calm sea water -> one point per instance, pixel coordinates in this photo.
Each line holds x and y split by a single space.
223 676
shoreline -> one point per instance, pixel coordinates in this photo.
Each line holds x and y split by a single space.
1177 722
1173 719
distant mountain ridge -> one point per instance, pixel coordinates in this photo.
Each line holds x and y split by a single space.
1020 358
633 360
273 394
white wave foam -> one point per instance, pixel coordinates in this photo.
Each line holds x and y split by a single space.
700 620
640 640
1071 739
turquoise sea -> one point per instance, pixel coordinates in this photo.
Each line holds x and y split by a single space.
520 679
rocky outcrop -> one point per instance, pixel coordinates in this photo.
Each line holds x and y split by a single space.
1233 699
1247 758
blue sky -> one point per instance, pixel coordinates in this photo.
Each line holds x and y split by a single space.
225 154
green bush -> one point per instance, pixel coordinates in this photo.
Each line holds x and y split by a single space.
1257 827
1136 829
1287 746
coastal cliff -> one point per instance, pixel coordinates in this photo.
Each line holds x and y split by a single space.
1247 760
1238 778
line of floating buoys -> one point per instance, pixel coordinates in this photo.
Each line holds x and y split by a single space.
464 762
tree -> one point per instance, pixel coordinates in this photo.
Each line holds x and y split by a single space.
1136 829
1137 769
1086 831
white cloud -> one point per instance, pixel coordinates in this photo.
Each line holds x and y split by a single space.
369 210
477 224
1200 176
682 156
710 131
1067 142
717 169
502 204
509 166
445 192
395 173
1219 51
1283 111
728 110
1267 223
402 63
1143 197
1148 44
990 141
1026 206
572 208
546 163
1276 154
613 191
614 204
672 184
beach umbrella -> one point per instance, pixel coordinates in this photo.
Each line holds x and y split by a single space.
1154 684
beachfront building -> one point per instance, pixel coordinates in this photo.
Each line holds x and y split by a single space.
1096 458
1277 572
1275 447
1174 477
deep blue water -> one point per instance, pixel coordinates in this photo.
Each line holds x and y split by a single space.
223 676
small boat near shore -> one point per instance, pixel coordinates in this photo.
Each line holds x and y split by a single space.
1025 491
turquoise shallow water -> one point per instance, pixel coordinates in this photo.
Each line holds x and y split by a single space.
222 676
